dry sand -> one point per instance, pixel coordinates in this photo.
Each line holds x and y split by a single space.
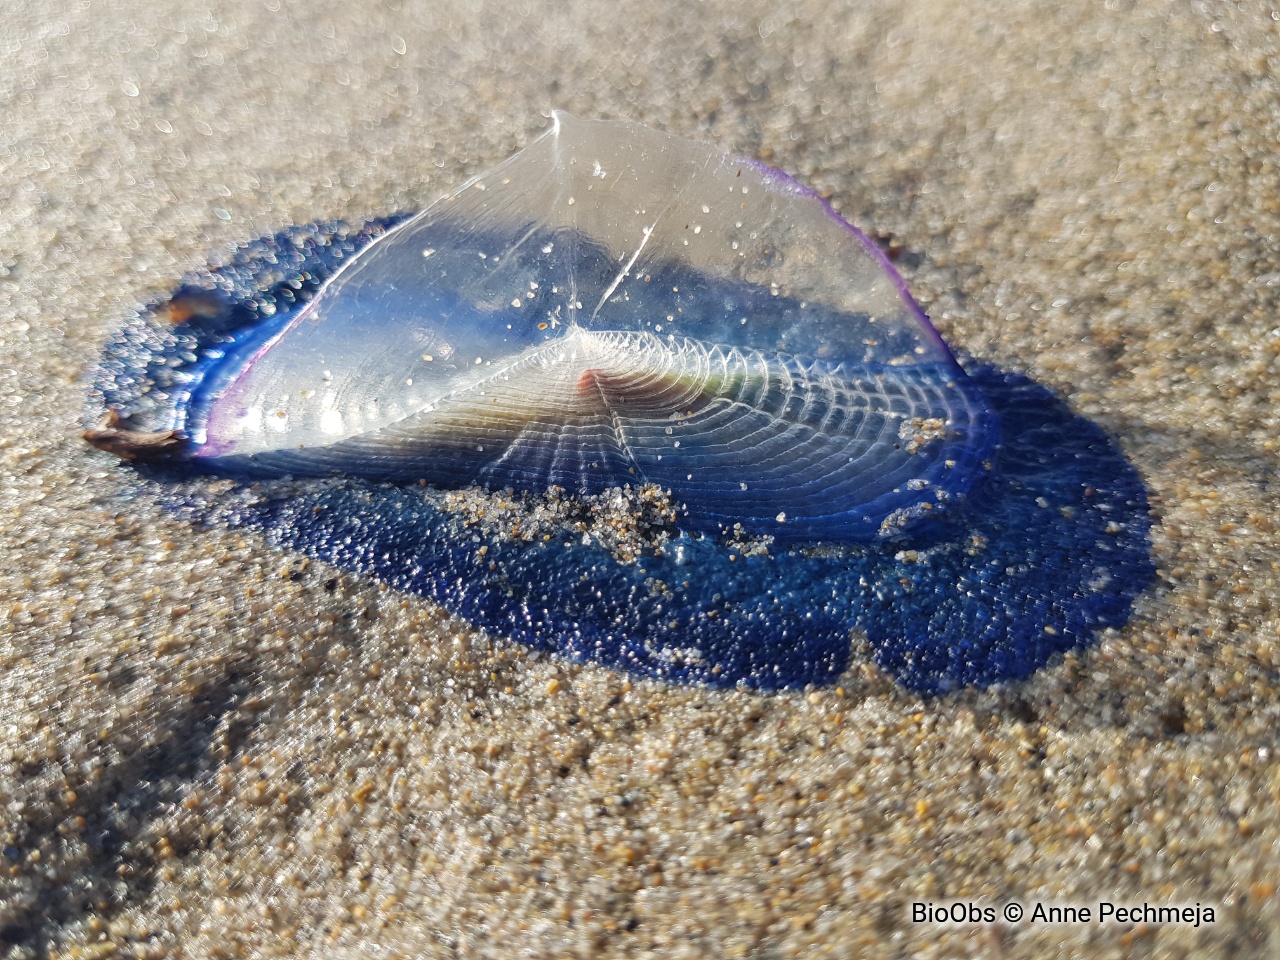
211 748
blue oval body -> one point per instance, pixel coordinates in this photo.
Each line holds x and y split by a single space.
631 332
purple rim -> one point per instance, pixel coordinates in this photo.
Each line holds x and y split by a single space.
775 178
217 448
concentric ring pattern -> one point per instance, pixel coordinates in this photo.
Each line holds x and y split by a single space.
613 305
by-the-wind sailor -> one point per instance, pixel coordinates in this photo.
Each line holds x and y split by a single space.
624 330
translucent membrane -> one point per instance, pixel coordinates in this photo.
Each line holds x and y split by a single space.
610 306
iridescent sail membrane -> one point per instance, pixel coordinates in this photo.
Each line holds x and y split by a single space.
612 306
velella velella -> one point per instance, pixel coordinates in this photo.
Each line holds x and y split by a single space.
639 401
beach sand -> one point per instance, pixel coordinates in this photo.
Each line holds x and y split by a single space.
213 748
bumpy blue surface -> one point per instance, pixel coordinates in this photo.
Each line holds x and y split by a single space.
1053 548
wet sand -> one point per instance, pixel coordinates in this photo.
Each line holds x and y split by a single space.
213 748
